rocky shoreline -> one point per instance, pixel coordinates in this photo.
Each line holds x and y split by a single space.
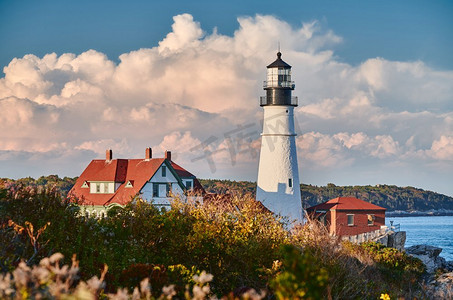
439 279
416 213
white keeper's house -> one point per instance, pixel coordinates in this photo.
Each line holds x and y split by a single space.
115 182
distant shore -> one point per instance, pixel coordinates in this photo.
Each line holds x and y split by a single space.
402 213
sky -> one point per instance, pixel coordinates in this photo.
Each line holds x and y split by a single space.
374 81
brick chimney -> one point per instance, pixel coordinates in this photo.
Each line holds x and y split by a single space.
168 155
148 153
108 155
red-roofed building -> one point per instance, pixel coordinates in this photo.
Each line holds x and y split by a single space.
347 216
113 182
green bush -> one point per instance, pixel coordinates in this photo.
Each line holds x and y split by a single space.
302 276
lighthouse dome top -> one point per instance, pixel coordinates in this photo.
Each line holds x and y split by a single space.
279 63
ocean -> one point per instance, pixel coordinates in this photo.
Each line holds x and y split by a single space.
433 230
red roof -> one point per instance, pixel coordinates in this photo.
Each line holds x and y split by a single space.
183 173
345 203
137 171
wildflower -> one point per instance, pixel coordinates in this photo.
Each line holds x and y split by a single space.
136 294
253 295
45 262
169 291
95 283
200 292
5 285
385 297
55 257
145 288
21 274
203 278
121 294
41 274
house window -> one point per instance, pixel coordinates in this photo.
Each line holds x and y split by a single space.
350 220
106 187
370 220
189 184
322 219
155 190
168 189
98 187
164 171
290 182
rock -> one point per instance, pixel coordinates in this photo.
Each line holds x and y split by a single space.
441 287
383 240
431 251
429 255
397 240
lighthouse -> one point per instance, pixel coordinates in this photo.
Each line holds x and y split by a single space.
278 185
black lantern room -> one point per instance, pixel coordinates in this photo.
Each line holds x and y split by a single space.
278 85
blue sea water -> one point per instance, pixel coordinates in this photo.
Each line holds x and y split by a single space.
433 230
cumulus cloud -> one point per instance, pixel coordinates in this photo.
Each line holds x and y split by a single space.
194 87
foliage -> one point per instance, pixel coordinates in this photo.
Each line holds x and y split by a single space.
49 280
393 259
62 185
301 278
236 241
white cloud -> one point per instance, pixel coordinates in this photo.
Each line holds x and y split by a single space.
185 33
196 85
442 148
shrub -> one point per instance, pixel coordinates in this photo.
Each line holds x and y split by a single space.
301 278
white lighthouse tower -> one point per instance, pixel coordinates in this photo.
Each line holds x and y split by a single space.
278 186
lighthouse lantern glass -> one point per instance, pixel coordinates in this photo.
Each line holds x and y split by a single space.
278 77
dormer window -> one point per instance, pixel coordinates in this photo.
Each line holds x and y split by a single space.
189 184
102 187
85 185
164 171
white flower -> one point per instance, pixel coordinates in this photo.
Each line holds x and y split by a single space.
169 291
253 295
145 287
136 294
5 285
41 274
45 262
203 278
95 283
121 294
56 257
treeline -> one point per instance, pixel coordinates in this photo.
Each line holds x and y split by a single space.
389 196
63 185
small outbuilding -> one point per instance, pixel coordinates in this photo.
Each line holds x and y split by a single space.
348 216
